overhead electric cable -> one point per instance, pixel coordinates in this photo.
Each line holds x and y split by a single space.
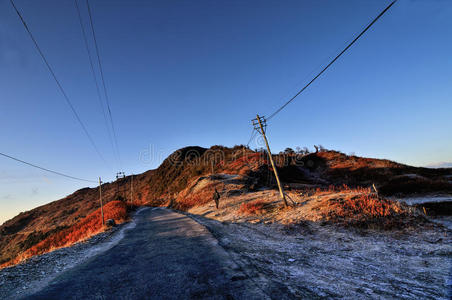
57 81
253 134
93 72
45 169
339 55
103 81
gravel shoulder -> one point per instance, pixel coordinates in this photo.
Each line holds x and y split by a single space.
312 261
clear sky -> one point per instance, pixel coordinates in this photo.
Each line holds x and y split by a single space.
185 73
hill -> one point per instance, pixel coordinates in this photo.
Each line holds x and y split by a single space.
188 177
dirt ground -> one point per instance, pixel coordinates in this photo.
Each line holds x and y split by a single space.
314 261
311 258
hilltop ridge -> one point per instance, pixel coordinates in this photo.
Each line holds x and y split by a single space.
173 184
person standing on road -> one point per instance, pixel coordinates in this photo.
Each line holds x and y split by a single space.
216 198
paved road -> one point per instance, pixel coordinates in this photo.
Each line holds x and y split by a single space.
166 256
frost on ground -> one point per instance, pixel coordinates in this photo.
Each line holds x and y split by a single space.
312 261
306 256
306 260
426 199
33 274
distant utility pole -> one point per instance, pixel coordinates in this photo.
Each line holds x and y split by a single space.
259 124
131 189
118 176
101 206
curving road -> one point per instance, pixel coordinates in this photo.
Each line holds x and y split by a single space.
166 256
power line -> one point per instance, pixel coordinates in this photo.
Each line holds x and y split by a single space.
45 169
253 134
103 81
339 55
57 81
94 73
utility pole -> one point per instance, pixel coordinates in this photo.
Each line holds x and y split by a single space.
118 176
117 184
131 189
259 123
101 206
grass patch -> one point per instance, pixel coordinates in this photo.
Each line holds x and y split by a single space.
360 207
256 207
80 231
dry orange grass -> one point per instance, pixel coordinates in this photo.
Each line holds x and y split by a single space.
191 198
243 164
84 229
363 206
337 160
359 206
342 189
252 208
191 201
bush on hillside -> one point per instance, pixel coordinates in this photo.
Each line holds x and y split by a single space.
87 227
361 207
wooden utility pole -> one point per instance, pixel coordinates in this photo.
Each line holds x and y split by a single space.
119 175
101 206
131 189
262 122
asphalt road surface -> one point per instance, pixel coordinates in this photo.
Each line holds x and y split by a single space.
166 256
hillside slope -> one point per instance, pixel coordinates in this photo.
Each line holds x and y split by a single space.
174 181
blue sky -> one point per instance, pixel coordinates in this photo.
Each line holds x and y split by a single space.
196 72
